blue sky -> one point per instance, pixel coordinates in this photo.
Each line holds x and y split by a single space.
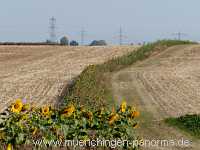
141 20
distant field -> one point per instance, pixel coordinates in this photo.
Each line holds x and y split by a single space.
39 73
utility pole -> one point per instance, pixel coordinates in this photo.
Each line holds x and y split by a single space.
52 28
82 36
120 36
179 35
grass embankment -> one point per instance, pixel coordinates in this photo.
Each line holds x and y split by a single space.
92 86
188 123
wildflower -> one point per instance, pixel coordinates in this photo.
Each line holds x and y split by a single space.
17 106
123 106
135 114
68 111
45 111
9 147
24 100
113 118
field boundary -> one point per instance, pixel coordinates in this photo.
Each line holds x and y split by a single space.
91 87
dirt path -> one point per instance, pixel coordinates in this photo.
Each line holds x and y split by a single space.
39 73
165 85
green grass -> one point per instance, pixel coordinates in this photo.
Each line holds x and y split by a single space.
93 88
188 123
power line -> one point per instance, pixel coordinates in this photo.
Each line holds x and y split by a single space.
121 36
83 36
52 28
179 35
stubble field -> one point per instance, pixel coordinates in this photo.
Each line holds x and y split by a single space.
40 73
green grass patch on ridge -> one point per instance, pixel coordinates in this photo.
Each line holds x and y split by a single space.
188 123
93 88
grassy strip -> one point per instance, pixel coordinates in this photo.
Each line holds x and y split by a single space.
92 86
188 123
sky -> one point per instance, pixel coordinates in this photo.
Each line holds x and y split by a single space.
140 20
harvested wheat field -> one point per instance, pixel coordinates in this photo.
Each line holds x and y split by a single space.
169 82
39 73
165 85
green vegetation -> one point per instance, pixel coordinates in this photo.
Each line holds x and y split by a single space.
188 123
92 86
27 125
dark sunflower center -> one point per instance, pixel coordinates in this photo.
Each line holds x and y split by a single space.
16 106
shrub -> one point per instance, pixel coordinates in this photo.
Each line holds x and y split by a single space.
74 43
98 43
189 123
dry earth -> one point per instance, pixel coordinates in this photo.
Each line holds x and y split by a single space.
165 85
39 73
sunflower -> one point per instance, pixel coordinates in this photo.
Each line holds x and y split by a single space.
113 118
135 114
17 106
9 147
45 111
123 106
68 111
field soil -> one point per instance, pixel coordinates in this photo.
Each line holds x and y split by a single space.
40 73
165 85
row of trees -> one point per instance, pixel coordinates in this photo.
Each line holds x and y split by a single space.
65 41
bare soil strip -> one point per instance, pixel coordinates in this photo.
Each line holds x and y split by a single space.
165 85
39 73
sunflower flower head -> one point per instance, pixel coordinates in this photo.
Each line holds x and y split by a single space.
123 106
17 106
68 111
113 118
45 111
135 114
9 147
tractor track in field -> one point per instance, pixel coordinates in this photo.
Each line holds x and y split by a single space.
162 86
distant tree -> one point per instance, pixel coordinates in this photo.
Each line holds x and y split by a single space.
64 41
74 43
48 41
98 43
